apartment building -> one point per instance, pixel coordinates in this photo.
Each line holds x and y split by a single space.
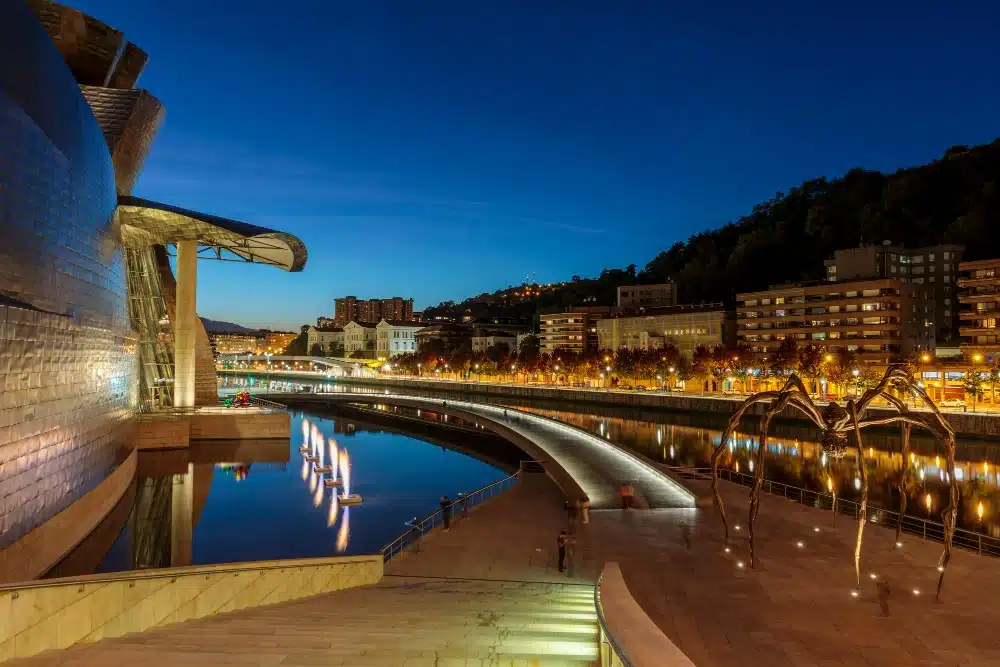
932 271
634 297
350 308
325 322
345 309
233 343
484 339
275 342
359 337
575 330
979 301
684 326
329 339
394 337
877 319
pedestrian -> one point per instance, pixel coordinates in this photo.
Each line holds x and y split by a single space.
686 534
505 414
585 509
571 513
884 591
561 543
463 501
571 556
623 491
446 512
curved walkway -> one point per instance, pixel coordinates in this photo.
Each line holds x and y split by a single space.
573 457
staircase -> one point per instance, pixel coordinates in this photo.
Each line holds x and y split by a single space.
401 622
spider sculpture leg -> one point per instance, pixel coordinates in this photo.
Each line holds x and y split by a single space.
758 479
863 512
907 427
950 514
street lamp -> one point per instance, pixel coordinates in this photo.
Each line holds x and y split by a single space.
607 369
513 375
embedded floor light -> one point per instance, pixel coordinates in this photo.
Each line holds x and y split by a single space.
800 544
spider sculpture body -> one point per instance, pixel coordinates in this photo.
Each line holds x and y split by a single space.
837 423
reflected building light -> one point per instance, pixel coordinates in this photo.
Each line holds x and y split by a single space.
313 482
334 457
671 451
345 472
320 448
318 494
314 432
822 459
331 518
750 464
659 436
305 469
305 431
345 531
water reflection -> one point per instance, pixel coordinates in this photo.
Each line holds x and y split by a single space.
802 462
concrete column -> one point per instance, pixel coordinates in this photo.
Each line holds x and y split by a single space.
185 323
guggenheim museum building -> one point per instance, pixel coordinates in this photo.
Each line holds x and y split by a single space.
95 324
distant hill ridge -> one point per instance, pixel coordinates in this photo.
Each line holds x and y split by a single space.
215 326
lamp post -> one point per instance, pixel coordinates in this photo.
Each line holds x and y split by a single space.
555 375
671 371
478 376
268 380
607 369
513 374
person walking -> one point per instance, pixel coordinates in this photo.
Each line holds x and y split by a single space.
561 543
446 512
463 502
623 491
571 556
571 514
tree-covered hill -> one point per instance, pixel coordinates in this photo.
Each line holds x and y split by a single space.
951 200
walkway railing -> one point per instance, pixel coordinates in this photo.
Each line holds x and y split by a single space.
612 655
456 509
924 528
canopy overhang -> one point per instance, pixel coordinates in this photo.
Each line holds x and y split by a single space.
144 223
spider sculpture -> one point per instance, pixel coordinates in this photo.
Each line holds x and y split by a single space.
837 423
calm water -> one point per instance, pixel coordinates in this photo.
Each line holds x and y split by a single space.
270 504
794 456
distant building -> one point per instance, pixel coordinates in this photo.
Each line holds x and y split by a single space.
980 306
350 309
418 316
234 343
359 337
575 330
635 297
684 326
324 322
484 339
275 342
330 339
345 309
933 271
876 318
394 337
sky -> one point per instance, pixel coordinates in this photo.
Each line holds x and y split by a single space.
440 149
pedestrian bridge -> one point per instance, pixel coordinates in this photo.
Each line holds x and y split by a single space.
579 462
308 366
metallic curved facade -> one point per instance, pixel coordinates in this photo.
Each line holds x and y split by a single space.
67 353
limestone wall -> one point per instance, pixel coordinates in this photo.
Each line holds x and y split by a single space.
59 613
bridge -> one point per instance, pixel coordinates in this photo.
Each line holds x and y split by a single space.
306 366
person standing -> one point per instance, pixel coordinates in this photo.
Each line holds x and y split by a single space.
623 491
561 543
446 512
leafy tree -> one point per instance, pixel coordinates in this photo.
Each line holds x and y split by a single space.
810 358
840 370
297 348
529 348
316 350
497 353
336 349
785 359
358 354
994 379
972 382
701 362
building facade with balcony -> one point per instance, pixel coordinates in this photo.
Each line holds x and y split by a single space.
234 343
876 319
685 326
979 301
393 337
932 271
574 330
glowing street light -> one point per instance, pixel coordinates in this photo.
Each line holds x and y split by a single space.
979 510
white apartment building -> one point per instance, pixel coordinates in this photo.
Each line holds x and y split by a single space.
359 337
329 338
394 337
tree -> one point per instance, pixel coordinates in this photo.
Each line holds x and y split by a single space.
297 348
785 359
336 349
358 354
529 347
840 370
994 378
811 363
316 350
701 362
497 353
972 382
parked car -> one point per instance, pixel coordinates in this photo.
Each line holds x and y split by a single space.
951 403
640 387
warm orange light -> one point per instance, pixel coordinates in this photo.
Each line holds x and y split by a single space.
979 511
829 484
926 357
829 357
927 501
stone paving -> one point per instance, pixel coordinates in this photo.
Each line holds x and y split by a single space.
794 609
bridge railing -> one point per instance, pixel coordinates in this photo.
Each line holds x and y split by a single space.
913 525
418 528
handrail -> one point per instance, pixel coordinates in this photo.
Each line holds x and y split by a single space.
417 530
606 635
925 528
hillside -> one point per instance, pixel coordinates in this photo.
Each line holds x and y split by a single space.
217 326
953 199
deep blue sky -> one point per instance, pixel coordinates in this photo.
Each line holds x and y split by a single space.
440 149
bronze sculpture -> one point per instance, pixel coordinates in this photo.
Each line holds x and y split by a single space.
837 422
